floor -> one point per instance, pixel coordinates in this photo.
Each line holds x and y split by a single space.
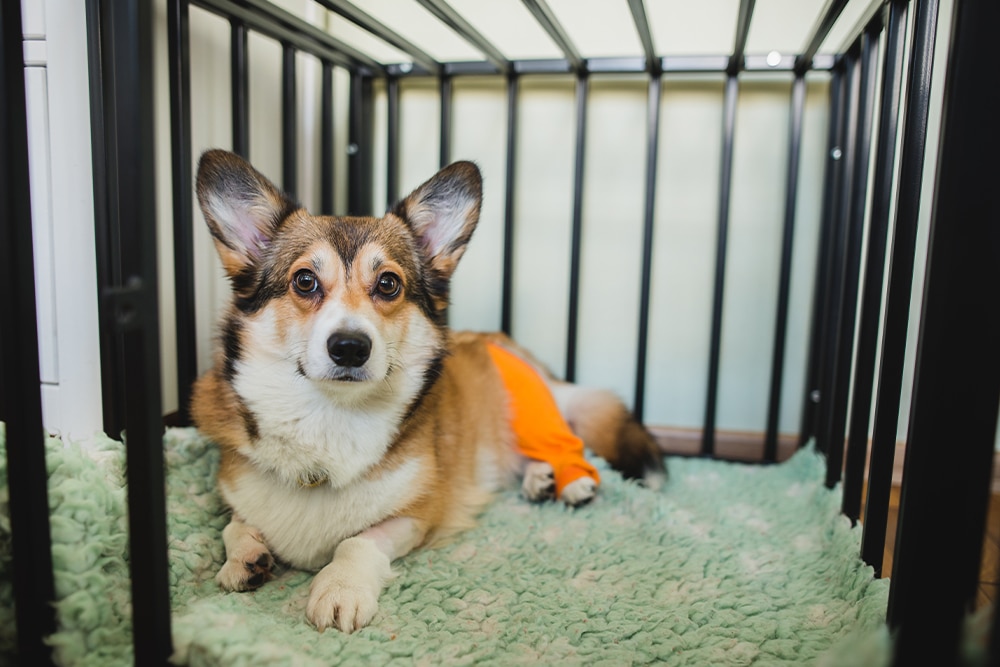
989 586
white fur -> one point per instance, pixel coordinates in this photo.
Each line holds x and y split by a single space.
539 481
303 526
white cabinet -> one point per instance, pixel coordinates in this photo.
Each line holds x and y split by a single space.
58 106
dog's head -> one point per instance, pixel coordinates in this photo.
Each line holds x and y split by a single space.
349 301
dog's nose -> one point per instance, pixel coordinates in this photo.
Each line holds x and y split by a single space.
349 349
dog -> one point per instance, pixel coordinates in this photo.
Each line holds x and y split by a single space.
353 426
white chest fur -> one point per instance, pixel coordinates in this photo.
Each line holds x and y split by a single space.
303 526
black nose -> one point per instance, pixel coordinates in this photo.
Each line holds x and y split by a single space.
349 349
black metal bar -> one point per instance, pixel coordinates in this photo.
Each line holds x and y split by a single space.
821 289
847 317
507 289
392 142
617 65
446 89
447 15
784 280
359 148
827 18
638 9
874 271
956 393
179 56
287 28
100 49
736 63
240 82
134 308
289 122
377 28
550 22
582 87
900 281
725 188
20 397
654 100
326 164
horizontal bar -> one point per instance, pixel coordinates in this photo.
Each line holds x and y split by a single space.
286 28
444 12
548 20
378 29
615 65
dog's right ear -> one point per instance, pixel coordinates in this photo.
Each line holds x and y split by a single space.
242 208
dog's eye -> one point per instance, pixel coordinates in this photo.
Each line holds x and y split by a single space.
388 285
305 282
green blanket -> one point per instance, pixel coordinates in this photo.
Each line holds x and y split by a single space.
728 564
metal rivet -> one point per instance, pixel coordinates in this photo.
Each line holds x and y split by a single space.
836 153
814 395
352 149
405 68
773 59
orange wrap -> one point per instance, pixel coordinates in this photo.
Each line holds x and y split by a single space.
541 432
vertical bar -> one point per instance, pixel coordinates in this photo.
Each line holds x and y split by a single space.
821 287
133 305
832 299
900 281
289 122
180 154
446 114
878 232
100 49
582 87
326 165
20 397
652 150
956 392
506 297
359 177
784 281
392 142
725 186
852 262
240 82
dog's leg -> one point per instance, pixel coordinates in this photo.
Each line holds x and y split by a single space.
345 593
248 560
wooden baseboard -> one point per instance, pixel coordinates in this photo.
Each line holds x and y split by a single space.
749 446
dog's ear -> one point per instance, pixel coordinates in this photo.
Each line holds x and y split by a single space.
242 208
443 213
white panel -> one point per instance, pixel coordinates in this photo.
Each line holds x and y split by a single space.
611 253
753 257
419 134
36 90
478 133
683 251
682 27
510 27
779 25
543 216
33 19
598 29
77 410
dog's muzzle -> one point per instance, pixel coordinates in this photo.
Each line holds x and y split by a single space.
349 349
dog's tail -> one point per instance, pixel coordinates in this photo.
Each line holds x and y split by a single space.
610 430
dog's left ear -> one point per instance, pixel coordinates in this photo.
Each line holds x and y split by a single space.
443 212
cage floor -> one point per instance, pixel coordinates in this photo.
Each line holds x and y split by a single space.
728 564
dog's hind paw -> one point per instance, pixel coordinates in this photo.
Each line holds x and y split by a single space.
246 573
539 482
579 492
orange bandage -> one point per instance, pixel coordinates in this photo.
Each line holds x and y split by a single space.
541 432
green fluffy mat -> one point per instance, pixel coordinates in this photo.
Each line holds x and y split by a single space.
728 564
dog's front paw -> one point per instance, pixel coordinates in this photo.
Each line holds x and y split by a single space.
579 492
345 593
539 482
246 572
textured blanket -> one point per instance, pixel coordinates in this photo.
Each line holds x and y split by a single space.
728 564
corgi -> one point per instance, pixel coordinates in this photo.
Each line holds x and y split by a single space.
353 426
